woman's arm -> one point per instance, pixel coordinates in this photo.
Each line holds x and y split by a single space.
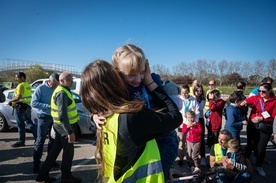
147 124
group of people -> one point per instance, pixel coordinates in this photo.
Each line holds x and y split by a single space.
124 137
144 124
55 107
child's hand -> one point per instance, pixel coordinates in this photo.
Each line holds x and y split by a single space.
211 96
148 78
99 121
189 124
244 122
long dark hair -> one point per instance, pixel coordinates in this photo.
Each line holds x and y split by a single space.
104 93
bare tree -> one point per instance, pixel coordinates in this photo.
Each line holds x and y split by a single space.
246 70
183 68
222 67
211 67
271 68
234 67
162 70
176 71
237 66
200 69
258 69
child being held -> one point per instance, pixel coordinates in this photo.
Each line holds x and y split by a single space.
236 161
193 140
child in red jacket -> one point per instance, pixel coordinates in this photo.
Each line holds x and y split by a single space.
216 105
193 140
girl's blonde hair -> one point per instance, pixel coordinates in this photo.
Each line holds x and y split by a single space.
129 59
233 143
105 93
191 113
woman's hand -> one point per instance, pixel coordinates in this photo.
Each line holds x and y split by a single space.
257 119
243 103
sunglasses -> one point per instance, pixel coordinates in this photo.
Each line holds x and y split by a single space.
262 91
211 84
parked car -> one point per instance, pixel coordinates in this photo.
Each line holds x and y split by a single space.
75 87
7 115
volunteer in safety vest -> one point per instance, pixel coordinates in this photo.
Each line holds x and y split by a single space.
21 104
65 115
218 152
126 144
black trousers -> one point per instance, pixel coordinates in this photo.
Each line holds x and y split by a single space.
60 143
257 142
202 146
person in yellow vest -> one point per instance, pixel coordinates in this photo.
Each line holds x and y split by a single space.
126 145
65 116
192 88
21 104
219 159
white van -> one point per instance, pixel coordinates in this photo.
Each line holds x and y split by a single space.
76 87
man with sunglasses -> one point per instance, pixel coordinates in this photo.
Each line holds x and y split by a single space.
212 86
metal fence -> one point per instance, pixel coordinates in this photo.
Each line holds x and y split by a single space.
9 65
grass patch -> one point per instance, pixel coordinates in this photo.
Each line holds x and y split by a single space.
227 90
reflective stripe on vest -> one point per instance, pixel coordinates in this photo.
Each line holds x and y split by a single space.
71 109
148 167
218 152
26 97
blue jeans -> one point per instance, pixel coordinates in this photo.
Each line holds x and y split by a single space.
241 177
44 125
23 117
168 148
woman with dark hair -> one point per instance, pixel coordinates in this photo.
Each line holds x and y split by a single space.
259 128
126 144
200 98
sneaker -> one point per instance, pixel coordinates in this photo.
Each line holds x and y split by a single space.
196 170
261 171
70 179
48 179
18 144
203 162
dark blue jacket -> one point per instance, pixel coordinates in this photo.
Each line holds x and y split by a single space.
234 118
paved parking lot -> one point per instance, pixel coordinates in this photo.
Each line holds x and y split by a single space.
16 163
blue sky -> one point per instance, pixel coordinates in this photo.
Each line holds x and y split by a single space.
76 32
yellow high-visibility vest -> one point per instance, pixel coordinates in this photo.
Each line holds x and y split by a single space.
71 109
148 167
26 97
218 152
